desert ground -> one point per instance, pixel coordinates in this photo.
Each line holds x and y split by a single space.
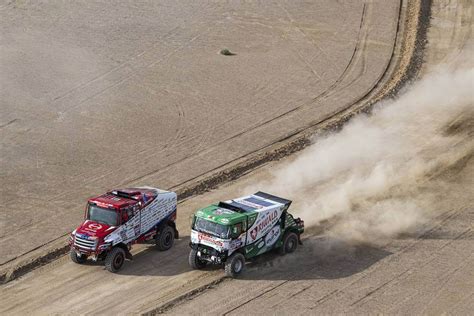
98 95
402 244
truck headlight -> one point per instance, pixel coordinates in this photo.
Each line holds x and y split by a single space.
72 235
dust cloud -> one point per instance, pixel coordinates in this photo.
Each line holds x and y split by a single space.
379 176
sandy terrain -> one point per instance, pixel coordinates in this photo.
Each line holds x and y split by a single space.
102 95
428 270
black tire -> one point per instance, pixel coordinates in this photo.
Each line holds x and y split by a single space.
165 238
77 259
234 265
194 261
115 259
290 243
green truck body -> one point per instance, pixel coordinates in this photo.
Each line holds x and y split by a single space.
230 232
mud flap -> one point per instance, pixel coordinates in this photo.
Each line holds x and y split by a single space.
300 223
128 255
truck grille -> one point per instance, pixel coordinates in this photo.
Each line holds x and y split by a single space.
84 243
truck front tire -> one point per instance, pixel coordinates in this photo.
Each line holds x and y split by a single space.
80 259
290 243
194 261
115 259
165 238
234 265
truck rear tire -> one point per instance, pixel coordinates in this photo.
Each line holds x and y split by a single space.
234 265
115 259
165 238
194 261
80 259
290 243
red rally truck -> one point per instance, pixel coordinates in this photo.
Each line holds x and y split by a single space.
116 220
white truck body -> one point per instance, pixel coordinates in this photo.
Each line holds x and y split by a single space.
145 219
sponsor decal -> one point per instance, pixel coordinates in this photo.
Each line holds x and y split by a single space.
248 203
207 238
123 234
236 244
253 233
136 229
104 205
94 226
221 211
261 225
272 235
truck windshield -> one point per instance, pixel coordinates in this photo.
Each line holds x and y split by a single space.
212 228
102 215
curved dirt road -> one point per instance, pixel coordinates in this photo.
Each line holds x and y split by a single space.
103 95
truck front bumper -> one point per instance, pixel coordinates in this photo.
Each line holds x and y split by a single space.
209 254
94 254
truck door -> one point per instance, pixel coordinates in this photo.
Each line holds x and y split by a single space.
238 235
131 221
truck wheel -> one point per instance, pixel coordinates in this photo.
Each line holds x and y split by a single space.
80 259
290 242
165 238
234 265
194 261
115 259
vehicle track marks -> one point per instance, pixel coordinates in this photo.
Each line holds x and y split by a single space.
444 283
165 168
255 297
357 55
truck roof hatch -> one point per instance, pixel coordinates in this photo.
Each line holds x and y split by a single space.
233 207
134 195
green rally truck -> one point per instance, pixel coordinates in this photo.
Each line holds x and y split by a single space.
230 232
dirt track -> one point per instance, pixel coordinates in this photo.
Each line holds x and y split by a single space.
428 273
103 95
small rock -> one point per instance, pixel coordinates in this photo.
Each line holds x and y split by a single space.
226 52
